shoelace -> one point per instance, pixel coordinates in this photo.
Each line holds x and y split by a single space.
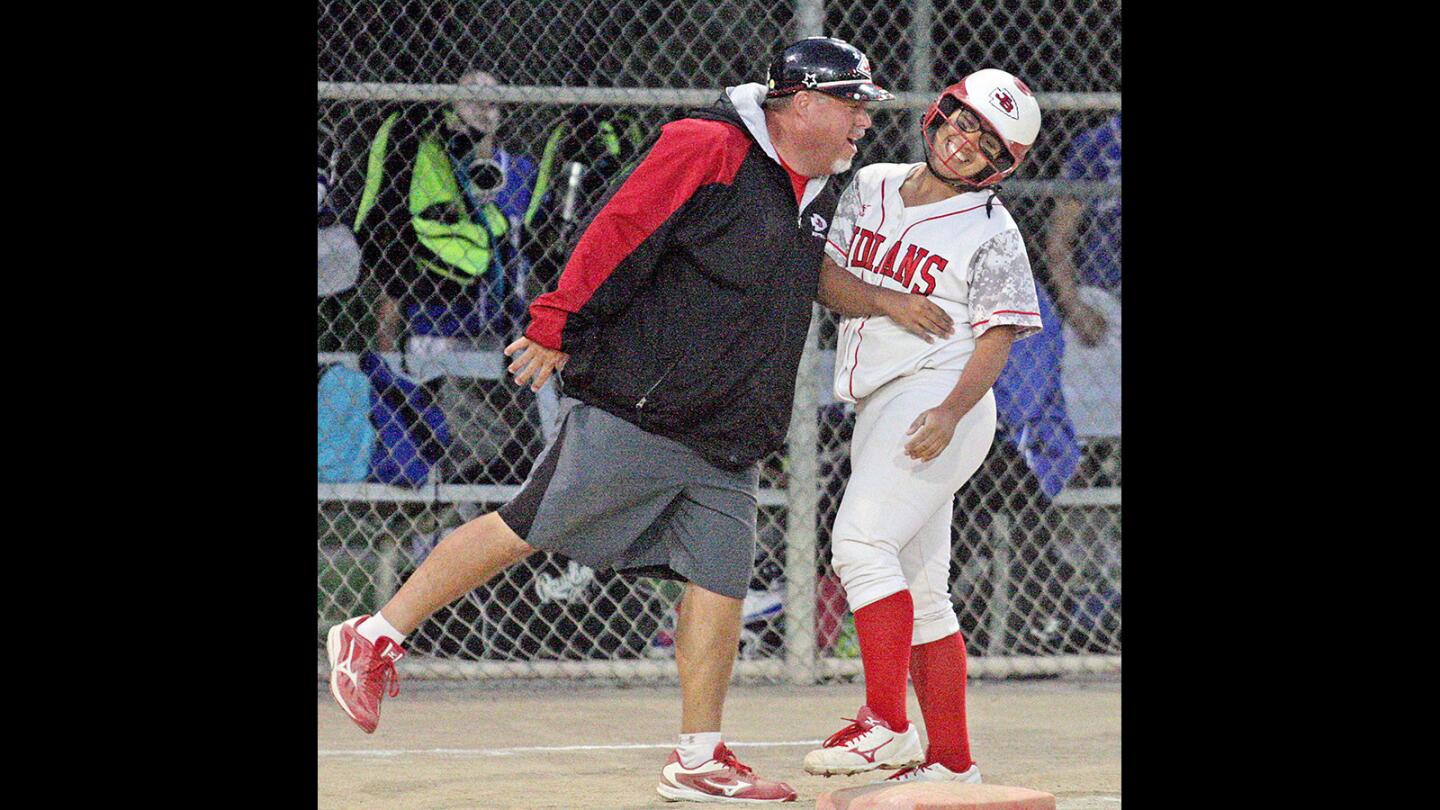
727 758
846 734
904 774
388 675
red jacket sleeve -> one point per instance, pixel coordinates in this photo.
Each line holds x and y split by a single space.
688 155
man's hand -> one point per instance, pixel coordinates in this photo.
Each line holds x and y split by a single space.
933 431
917 314
535 361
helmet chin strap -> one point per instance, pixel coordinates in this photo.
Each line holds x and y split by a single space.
958 185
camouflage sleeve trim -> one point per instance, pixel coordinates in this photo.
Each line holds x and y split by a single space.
842 225
1002 289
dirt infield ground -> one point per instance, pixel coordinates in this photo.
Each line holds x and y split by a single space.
519 746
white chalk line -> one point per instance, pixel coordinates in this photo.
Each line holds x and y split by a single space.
534 749
506 752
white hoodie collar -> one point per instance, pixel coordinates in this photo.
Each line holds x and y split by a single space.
747 99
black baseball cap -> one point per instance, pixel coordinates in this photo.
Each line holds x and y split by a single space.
824 65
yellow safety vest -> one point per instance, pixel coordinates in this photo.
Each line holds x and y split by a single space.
459 248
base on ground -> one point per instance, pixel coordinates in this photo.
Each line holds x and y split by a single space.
935 796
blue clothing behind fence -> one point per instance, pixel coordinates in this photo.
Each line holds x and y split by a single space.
1031 407
346 437
410 426
1095 156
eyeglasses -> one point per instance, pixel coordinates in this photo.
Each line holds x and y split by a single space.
966 121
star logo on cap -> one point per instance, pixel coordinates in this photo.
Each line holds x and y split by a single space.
810 80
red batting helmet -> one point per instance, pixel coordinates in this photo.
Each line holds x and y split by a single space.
1007 111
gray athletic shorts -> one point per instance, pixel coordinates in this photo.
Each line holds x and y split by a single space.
610 495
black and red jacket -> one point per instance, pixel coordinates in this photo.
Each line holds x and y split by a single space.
685 304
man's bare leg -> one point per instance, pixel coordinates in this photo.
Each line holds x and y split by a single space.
362 667
707 637
466 559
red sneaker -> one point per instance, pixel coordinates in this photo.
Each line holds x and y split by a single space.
360 672
722 778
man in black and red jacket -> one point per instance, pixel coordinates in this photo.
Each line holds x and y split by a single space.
676 330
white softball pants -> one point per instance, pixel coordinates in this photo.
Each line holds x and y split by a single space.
892 532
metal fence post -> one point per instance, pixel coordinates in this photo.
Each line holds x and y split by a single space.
802 503
809 18
922 61
999 582
387 568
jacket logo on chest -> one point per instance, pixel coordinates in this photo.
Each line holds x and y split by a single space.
919 261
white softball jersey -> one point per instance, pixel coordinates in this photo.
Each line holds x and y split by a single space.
970 261
892 530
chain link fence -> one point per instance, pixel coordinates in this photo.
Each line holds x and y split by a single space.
420 430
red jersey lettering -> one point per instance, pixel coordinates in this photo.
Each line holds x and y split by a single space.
913 256
869 248
937 263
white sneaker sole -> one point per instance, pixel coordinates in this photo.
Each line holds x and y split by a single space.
332 650
680 794
909 752
850 770
970 777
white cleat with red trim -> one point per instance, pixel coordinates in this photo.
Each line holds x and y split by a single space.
867 744
722 778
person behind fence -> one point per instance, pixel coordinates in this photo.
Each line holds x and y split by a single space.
1082 250
1036 455
585 150
925 413
442 224
676 330
338 254
441 221
1093 155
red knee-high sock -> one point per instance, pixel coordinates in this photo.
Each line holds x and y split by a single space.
938 669
884 629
